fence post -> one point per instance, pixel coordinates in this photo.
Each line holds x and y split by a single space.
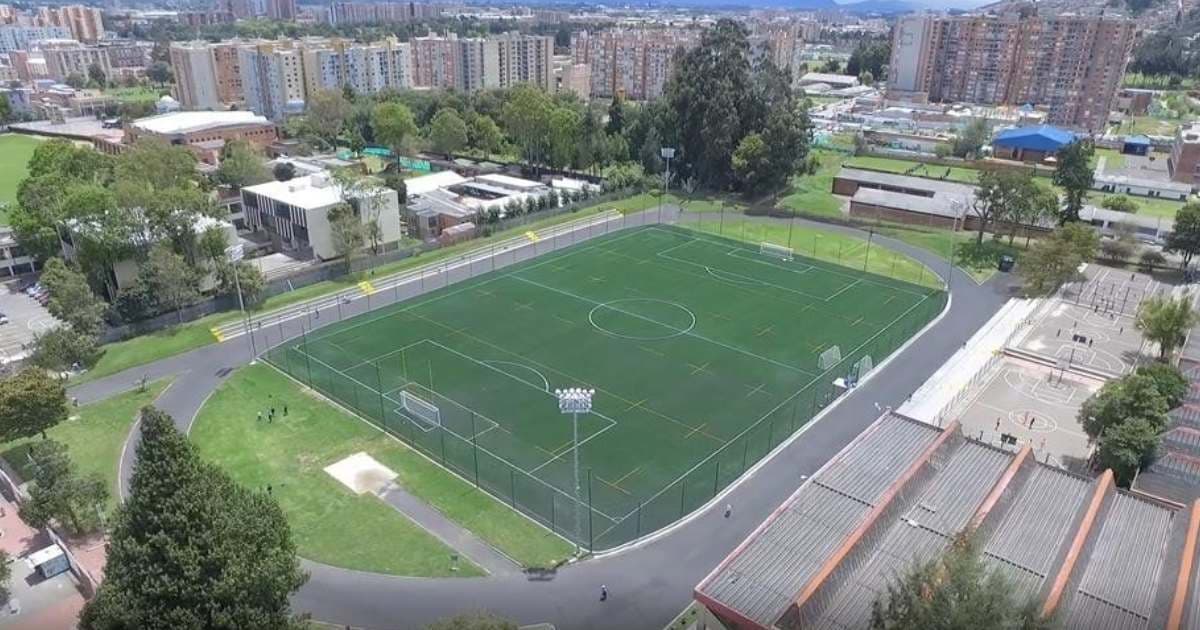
442 435
474 447
307 361
682 493
637 530
512 482
745 451
716 476
591 531
379 384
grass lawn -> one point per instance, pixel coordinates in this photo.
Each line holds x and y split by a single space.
1146 205
902 167
94 435
15 151
813 194
122 355
330 524
1149 125
134 94
1113 159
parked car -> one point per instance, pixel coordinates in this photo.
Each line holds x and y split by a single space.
3 319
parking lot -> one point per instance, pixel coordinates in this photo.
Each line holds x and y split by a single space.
25 319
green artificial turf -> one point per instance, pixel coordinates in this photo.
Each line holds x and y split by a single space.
704 354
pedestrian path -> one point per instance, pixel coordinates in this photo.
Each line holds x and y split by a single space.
449 532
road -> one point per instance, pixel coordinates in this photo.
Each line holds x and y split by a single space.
647 584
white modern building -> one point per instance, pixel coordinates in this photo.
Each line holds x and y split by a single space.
14 37
295 213
442 201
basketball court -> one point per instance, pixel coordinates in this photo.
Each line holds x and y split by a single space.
1034 405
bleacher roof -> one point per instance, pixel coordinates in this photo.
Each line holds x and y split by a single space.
1044 138
1098 557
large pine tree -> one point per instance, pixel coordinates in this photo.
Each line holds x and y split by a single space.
192 549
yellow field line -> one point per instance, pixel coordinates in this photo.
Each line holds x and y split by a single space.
635 405
765 331
613 485
564 319
651 351
757 388
627 475
695 430
699 368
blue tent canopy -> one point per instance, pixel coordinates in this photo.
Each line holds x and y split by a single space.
1044 138
1141 141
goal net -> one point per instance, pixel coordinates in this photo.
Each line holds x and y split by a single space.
830 358
863 366
420 409
775 251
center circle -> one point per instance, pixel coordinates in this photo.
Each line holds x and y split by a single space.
642 319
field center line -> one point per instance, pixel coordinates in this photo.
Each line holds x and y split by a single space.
653 321
569 377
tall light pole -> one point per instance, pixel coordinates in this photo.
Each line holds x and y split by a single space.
574 401
235 254
667 153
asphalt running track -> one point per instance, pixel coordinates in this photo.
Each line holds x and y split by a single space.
648 584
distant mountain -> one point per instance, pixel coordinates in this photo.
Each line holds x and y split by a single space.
882 7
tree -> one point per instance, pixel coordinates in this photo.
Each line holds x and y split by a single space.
1166 321
1185 239
485 135
1117 250
346 231
160 72
394 126
526 118
31 401
473 621
710 93
5 575
956 591
616 116
750 161
248 277
171 280
1055 259
1131 396
241 166
447 131
971 138
191 548
564 137
1151 258
395 181
327 113
58 492
5 117
1168 380
1120 203
75 80
283 171
990 200
71 299
1127 447
870 57
650 155
1074 175
64 348
96 75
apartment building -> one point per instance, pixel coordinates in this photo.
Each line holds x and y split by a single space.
281 9
84 23
636 63
65 58
1069 65
434 61
272 78
512 58
207 75
17 37
380 13
1184 163
364 68
572 77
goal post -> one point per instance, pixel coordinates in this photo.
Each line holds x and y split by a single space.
419 409
775 251
829 358
863 366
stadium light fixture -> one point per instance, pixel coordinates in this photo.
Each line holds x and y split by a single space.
574 401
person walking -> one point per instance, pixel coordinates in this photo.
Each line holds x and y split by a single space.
728 509
603 593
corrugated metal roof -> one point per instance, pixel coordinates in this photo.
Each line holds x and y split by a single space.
944 508
941 204
1121 577
1038 520
764 577
905 181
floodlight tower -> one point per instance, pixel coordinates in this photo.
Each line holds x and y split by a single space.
574 401
667 153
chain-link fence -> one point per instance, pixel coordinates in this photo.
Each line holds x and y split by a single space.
455 445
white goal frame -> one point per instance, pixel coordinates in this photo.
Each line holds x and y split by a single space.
778 251
420 409
830 358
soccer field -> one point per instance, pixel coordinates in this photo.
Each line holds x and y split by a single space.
704 352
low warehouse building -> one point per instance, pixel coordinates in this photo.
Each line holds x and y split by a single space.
1031 144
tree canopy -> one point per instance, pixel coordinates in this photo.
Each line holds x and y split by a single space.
1074 174
31 401
1054 259
1166 321
1185 237
191 549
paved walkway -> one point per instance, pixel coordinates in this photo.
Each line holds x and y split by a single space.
649 584
451 533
